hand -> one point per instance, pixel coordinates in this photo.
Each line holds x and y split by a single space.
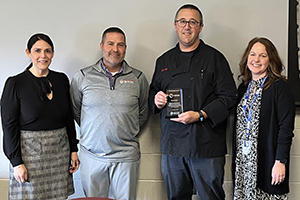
187 117
75 162
20 173
278 173
160 99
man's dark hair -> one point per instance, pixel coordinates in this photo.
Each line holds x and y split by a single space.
190 6
113 30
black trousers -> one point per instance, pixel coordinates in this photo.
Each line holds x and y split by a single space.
181 174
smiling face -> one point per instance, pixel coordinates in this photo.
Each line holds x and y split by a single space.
41 55
113 49
258 61
188 37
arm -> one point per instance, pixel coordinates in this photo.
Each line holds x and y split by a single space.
71 133
70 125
223 99
157 98
143 100
76 96
225 90
10 109
285 117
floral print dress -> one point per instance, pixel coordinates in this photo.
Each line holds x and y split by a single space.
246 147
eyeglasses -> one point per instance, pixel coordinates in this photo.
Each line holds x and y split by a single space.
183 22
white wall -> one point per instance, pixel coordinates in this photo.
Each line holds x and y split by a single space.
76 27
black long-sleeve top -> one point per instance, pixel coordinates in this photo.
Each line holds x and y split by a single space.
24 107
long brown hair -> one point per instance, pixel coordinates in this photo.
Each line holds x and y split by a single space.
275 64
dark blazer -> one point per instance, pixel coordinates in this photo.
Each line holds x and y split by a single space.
276 127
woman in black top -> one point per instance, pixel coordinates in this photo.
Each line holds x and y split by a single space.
38 128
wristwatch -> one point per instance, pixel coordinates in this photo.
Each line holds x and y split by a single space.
283 161
201 116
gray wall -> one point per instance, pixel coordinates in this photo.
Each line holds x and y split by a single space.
76 27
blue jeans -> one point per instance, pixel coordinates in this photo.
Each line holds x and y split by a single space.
181 174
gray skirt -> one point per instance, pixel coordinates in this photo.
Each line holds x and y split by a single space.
46 156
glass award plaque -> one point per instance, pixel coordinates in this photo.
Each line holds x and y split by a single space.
174 103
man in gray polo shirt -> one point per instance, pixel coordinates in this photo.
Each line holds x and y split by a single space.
110 103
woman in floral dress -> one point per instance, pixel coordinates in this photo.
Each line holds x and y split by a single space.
264 125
